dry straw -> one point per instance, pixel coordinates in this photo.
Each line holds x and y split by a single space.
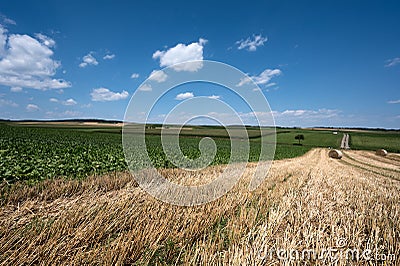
305 203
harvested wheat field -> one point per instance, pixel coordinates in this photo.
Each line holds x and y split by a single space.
310 209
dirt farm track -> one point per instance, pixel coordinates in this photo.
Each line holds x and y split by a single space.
310 203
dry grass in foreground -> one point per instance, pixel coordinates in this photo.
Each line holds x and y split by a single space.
307 204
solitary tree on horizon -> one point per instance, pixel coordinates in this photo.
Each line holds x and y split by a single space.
299 137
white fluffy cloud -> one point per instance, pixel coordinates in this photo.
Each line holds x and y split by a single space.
251 43
182 53
158 75
293 117
392 62
282 118
49 42
308 114
261 79
15 89
214 97
266 76
7 20
27 62
87 60
108 56
270 85
66 102
184 96
32 108
145 87
394 101
134 75
105 95
69 102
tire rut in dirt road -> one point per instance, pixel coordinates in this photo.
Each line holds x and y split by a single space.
367 166
345 142
371 159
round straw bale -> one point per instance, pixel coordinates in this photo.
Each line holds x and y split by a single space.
381 152
335 154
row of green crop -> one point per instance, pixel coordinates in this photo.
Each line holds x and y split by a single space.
35 153
389 141
312 138
39 153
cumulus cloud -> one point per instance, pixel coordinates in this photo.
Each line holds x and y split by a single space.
261 79
69 102
214 97
293 117
87 60
394 101
32 108
158 75
184 96
243 81
296 112
27 62
266 76
305 117
134 75
66 102
251 43
270 85
108 56
105 95
145 87
309 114
182 53
7 20
49 42
33 83
392 62
15 89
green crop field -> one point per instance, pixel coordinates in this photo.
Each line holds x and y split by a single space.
312 138
36 152
389 141
198 131
31 153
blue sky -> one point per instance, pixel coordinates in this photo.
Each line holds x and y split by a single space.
319 63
